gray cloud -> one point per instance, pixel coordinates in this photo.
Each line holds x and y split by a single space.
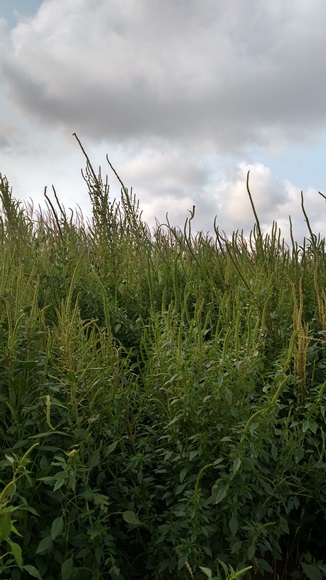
225 74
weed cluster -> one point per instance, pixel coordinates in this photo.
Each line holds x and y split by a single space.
162 397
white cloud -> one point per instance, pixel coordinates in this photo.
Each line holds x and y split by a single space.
182 95
275 200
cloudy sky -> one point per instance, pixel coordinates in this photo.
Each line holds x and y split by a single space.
185 96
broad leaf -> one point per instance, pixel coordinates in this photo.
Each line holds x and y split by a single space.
5 526
131 518
57 527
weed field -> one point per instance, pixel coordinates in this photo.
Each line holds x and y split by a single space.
162 397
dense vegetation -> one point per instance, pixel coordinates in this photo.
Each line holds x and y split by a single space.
162 404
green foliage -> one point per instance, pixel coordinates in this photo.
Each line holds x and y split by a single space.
162 397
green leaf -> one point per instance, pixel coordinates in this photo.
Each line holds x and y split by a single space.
114 571
67 569
131 518
180 488
221 494
111 447
225 568
193 454
265 565
59 483
236 547
32 571
183 474
217 462
101 500
274 452
57 527
236 464
207 572
88 495
305 425
182 560
299 453
17 553
44 545
233 525
312 571
251 552
313 427
14 529
71 377
5 525
241 572
72 481
15 575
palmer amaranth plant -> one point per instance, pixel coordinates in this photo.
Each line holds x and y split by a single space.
162 397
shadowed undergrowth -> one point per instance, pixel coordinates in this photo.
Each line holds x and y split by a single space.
162 405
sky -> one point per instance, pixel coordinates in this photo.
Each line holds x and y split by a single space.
184 96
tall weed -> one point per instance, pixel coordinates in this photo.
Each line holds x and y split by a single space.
162 396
